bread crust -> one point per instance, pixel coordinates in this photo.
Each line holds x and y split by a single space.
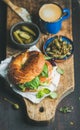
25 67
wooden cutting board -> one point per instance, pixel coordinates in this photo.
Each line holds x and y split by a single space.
45 110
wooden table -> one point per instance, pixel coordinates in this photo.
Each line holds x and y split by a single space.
66 84
59 117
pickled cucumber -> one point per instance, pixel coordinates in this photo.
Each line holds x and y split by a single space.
27 29
17 38
23 37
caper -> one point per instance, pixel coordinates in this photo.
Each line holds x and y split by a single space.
59 48
16 106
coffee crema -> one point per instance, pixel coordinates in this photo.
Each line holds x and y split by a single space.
50 12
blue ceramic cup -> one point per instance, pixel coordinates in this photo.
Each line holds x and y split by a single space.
51 17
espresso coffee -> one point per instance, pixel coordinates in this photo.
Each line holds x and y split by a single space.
50 12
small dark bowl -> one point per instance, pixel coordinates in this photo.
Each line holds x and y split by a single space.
48 42
30 25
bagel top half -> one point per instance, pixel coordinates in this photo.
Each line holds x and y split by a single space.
26 66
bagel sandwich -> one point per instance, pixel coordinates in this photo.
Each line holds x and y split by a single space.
29 70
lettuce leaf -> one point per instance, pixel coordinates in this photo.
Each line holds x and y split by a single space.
33 84
45 71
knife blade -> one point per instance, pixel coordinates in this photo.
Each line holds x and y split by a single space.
21 12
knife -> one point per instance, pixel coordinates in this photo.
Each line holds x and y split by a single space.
22 12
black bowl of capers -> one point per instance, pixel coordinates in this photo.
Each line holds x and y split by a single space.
24 34
58 48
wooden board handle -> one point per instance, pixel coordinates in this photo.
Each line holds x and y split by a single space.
46 109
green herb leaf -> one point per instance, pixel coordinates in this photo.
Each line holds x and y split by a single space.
42 92
60 71
46 91
66 109
53 95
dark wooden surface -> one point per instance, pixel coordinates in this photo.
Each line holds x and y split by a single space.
66 85
11 119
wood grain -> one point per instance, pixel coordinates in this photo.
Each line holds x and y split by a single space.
45 111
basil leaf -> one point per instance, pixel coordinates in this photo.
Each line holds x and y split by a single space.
53 95
46 91
60 71
42 92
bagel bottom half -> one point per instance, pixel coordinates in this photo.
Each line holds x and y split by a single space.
28 70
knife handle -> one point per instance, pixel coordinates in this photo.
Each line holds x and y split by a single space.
11 5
